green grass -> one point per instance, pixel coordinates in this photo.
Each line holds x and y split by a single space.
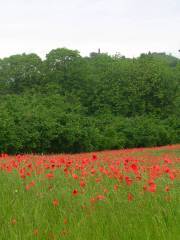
149 216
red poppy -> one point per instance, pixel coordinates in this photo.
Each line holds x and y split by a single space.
106 190
36 232
31 184
75 176
75 192
82 184
152 187
171 176
115 187
134 168
49 175
167 188
65 221
55 202
130 197
100 197
128 180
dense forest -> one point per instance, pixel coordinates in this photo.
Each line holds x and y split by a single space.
70 103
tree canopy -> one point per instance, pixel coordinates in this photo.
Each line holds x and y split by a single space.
70 103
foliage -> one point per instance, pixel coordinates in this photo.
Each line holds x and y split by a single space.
70 103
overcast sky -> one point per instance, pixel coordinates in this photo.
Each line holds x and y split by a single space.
126 26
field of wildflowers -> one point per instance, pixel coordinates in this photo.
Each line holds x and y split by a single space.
111 195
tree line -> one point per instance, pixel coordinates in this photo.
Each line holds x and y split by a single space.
70 103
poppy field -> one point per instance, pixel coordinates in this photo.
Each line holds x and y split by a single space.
111 195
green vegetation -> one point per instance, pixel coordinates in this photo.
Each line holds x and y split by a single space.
111 195
70 103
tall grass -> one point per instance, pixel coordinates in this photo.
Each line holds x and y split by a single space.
103 208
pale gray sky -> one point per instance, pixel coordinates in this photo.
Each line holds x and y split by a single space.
126 26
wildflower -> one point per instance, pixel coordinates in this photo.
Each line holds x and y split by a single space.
75 176
49 176
151 181
167 160
171 176
31 184
75 192
128 180
36 232
152 187
106 190
167 170
94 157
98 180
100 197
55 202
13 221
134 168
167 188
82 184
28 174
93 171
130 197
138 178
65 221
115 187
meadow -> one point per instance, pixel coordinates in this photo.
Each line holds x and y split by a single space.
129 194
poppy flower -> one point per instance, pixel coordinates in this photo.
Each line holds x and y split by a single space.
65 221
75 192
128 180
36 232
130 197
82 184
31 184
13 221
115 187
55 202
152 187
100 197
75 176
171 176
167 188
134 168
49 176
